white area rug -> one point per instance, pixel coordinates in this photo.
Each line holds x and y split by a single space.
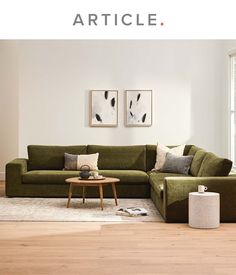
54 209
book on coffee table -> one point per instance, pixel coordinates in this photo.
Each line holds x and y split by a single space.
132 211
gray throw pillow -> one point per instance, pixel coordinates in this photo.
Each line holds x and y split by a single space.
175 164
70 162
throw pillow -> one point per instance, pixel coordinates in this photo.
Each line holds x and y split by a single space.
75 162
176 164
161 154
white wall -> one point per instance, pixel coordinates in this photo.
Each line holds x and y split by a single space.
8 103
187 79
56 76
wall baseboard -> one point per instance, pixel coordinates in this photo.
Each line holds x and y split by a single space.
2 175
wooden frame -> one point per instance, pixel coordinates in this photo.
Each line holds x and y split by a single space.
104 112
139 116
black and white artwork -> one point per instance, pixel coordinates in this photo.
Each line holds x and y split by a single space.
104 108
138 108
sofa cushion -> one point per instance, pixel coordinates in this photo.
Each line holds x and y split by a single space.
120 157
128 176
193 150
214 166
187 149
197 161
157 180
48 157
151 151
59 176
48 176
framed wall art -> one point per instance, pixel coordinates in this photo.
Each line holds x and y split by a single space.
103 108
138 108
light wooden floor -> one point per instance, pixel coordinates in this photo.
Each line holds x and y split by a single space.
103 248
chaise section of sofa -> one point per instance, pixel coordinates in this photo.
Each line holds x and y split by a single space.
169 191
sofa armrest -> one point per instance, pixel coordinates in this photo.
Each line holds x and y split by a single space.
176 190
14 171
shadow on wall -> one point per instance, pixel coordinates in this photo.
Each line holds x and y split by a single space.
174 117
204 123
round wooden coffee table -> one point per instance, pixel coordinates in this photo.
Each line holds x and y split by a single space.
95 182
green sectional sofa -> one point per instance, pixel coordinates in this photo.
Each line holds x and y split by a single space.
42 175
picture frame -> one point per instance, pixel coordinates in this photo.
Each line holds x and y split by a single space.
104 108
138 108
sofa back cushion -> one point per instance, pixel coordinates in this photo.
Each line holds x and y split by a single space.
214 166
151 151
197 162
46 157
193 150
120 157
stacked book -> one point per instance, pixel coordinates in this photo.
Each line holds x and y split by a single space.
132 211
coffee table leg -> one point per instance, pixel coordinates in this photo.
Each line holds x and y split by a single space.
101 195
69 195
114 192
84 190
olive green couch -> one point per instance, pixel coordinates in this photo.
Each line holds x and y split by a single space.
42 175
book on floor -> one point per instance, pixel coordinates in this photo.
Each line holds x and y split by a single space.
132 211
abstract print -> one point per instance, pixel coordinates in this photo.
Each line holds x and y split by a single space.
138 108
104 108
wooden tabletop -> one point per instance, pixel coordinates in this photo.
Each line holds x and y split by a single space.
78 181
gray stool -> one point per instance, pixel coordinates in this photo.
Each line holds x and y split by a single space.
204 210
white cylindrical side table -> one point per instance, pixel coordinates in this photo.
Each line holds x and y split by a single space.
204 210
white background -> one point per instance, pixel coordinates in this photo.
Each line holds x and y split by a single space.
54 19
